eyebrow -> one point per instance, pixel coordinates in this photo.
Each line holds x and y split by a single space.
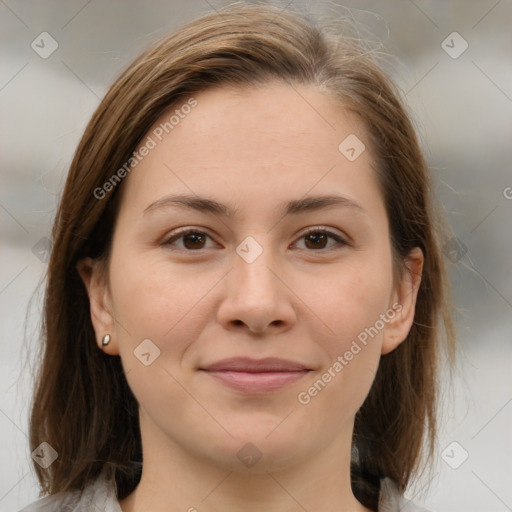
292 207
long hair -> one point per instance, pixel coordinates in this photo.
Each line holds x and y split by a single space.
82 405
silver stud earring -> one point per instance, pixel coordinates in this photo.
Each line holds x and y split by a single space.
106 340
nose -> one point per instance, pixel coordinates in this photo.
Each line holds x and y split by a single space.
257 297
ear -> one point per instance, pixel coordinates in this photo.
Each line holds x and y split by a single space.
103 321
403 302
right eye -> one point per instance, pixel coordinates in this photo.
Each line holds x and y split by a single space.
189 240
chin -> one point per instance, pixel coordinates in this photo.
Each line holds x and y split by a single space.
260 447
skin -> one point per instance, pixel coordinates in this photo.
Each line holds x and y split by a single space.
253 149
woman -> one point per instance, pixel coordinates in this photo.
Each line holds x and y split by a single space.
246 299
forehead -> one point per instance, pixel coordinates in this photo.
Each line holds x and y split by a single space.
266 119
254 144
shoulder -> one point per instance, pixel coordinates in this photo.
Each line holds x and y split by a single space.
99 496
102 495
391 500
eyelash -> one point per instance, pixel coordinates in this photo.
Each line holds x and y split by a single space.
314 230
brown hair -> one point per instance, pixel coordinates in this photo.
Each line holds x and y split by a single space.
82 405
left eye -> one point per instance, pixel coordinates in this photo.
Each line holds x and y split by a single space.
315 239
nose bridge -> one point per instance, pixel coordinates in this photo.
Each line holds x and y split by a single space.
252 264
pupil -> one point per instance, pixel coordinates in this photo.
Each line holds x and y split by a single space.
194 238
316 238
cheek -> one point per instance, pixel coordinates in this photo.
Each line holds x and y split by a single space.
151 298
350 305
151 303
353 298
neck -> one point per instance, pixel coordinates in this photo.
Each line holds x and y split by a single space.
173 479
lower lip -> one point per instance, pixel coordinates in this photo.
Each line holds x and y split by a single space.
263 382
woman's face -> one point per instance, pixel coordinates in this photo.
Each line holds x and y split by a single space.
249 341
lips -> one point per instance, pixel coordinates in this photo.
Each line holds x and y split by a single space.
256 376
243 364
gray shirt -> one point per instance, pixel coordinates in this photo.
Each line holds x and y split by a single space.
101 497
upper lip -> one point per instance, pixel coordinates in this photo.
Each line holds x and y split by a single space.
245 364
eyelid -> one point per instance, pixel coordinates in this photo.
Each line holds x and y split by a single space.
323 229
179 232
340 239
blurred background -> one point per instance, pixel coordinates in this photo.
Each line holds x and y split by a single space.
452 60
